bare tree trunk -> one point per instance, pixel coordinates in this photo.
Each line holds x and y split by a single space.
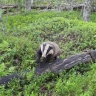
71 4
87 10
28 5
1 20
32 1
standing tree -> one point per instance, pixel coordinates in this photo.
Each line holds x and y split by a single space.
28 4
71 4
1 20
32 1
87 10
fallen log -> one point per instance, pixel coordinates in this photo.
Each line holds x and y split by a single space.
5 79
42 7
78 6
62 7
9 6
57 66
64 64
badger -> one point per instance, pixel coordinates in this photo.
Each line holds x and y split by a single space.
48 51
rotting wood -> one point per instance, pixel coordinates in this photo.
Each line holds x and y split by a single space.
57 66
9 6
5 79
65 6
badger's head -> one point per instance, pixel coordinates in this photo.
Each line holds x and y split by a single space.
46 49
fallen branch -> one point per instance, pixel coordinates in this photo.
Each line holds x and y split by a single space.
64 6
9 6
57 66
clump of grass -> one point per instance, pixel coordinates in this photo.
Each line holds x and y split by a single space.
74 84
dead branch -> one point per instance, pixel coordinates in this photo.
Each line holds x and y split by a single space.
9 6
65 6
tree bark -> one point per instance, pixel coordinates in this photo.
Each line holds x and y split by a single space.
27 5
65 7
71 4
1 20
87 10
32 1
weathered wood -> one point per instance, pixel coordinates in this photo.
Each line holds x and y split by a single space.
5 79
1 20
68 63
65 6
87 10
57 66
42 7
62 7
9 6
27 5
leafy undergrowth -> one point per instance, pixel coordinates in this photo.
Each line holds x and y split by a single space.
18 49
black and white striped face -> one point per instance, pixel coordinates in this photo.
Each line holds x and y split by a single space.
46 49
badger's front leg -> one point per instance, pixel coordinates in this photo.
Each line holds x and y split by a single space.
45 60
56 57
38 56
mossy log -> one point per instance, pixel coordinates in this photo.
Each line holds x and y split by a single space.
57 66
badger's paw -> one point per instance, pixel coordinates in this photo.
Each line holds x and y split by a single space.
41 65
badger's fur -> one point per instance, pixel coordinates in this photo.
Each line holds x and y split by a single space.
48 51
